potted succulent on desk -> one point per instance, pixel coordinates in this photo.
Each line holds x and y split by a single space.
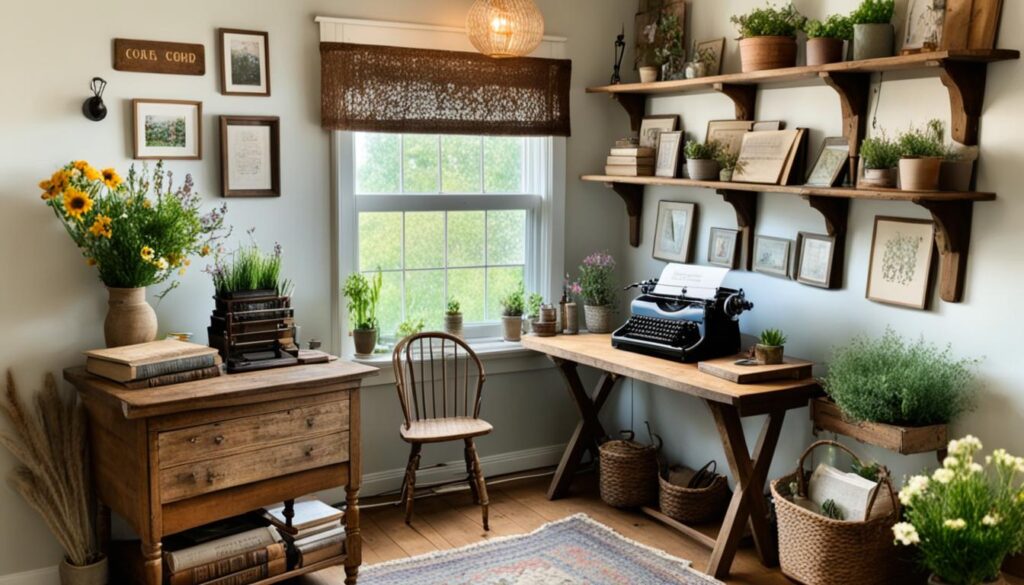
770 348
453 318
363 296
701 163
880 156
768 37
825 39
921 154
598 291
512 306
873 34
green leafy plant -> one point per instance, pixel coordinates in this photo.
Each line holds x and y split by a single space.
830 509
835 26
874 12
966 518
596 283
249 269
773 338
891 381
880 152
454 307
363 296
514 302
923 142
533 304
409 327
701 151
770 21
670 48
869 470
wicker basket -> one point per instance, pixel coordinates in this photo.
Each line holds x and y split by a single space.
816 550
694 506
629 473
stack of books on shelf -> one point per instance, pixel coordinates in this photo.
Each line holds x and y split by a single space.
157 363
240 558
628 159
314 534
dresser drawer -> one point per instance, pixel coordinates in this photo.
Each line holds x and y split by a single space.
193 479
222 438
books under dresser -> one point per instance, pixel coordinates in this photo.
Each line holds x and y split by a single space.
176 458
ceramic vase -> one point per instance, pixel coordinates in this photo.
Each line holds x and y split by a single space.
824 51
882 178
920 174
130 319
94 574
702 169
760 53
365 341
512 327
598 318
768 355
453 324
873 41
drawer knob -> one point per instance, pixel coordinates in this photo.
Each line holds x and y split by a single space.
309 422
218 439
309 451
193 440
194 477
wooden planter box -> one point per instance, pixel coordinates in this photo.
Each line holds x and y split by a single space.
826 416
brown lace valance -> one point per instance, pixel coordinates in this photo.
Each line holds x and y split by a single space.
392 89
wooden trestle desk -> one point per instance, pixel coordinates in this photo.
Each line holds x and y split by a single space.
173 458
728 403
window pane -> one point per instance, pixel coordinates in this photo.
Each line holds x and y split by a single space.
500 281
460 164
466 238
424 239
377 163
420 164
380 241
389 312
506 237
503 164
424 297
467 286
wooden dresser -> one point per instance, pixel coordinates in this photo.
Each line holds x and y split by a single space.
173 458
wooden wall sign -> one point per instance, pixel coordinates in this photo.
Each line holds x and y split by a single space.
159 57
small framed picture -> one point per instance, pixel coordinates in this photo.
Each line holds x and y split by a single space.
669 145
814 256
244 62
728 133
167 129
653 126
673 234
768 126
925 21
772 255
712 50
250 156
724 247
832 161
901 261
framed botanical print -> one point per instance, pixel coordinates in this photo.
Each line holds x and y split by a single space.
167 129
772 255
724 247
244 62
669 145
728 133
814 255
653 126
250 156
901 261
832 161
712 51
925 20
673 234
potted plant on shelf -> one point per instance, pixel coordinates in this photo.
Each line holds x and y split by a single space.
598 291
873 34
728 163
825 39
770 349
921 154
768 37
701 160
880 156
137 233
512 306
670 55
363 296
966 518
957 168
453 318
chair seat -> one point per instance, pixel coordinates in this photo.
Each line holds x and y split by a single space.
436 430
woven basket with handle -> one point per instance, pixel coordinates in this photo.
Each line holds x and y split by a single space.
694 505
629 473
816 550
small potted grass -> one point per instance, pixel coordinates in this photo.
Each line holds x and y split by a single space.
880 156
770 348
453 318
700 160
512 306
921 155
363 294
825 39
768 37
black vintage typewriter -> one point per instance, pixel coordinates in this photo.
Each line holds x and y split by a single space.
682 327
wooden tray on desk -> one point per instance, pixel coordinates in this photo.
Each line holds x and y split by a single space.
726 368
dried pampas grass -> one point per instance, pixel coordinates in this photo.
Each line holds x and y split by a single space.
53 475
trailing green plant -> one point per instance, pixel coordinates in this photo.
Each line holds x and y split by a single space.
670 48
830 509
454 307
701 150
409 327
879 152
835 26
923 142
363 296
514 302
250 269
874 12
727 159
773 338
770 21
888 380
966 518
869 470
596 283
533 304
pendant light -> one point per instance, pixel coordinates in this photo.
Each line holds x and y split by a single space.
505 28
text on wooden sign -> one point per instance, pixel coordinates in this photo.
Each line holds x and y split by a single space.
159 57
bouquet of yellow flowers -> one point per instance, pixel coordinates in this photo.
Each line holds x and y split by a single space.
137 232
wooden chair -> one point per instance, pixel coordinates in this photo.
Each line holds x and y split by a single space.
439 380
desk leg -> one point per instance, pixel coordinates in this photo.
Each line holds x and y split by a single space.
588 430
748 504
152 570
354 540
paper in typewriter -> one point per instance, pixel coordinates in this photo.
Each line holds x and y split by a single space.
700 282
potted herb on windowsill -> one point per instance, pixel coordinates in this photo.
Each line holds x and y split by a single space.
512 306
453 318
768 37
921 154
770 348
825 39
701 160
728 163
880 156
597 289
409 327
363 296
873 34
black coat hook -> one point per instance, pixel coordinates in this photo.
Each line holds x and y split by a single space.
94 108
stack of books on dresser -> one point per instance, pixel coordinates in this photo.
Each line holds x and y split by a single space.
630 161
240 558
314 534
157 363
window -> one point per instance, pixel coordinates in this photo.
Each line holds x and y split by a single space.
444 217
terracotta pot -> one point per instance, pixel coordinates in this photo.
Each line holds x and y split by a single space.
883 178
873 41
769 354
598 318
130 319
94 574
702 169
365 341
956 175
934 579
920 174
823 51
512 327
648 74
760 53
453 324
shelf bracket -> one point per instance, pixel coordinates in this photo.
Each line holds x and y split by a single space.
854 91
744 96
966 84
633 195
635 105
953 239
745 204
836 211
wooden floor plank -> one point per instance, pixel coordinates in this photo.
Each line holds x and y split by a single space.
379 541
414 540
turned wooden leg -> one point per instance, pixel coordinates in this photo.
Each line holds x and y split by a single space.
410 480
353 539
481 483
470 476
152 563
103 527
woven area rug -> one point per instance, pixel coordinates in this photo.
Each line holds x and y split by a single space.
573 551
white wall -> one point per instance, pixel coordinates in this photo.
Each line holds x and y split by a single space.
52 304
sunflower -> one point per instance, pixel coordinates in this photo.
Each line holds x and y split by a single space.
80 165
76 203
91 173
110 178
147 253
101 227
49 191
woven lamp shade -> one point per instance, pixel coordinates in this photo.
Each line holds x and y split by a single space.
505 28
